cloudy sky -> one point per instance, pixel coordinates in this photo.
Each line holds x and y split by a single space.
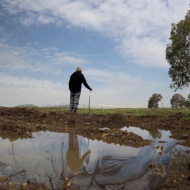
120 45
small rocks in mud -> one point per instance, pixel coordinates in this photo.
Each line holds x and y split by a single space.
72 121
43 127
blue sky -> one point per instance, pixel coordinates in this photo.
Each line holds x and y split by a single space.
120 45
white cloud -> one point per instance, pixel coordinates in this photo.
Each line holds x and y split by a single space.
118 90
30 83
140 27
15 91
36 60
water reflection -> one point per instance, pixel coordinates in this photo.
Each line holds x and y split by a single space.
155 133
51 157
73 155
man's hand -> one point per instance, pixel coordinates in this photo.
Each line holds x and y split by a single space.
91 89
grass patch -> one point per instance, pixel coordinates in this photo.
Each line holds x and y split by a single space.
186 132
161 112
185 118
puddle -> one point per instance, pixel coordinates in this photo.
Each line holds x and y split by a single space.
151 134
51 157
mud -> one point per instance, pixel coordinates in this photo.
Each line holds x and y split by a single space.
21 122
25 186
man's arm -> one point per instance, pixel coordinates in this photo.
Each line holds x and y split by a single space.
85 83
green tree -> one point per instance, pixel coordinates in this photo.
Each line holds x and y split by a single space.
177 101
154 100
178 54
187 102
155 133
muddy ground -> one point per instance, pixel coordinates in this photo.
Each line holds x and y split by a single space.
21 122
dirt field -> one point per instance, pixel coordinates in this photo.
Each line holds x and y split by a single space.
21 122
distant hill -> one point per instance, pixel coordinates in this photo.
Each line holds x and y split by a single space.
26 105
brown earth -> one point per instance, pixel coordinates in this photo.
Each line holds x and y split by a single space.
21 122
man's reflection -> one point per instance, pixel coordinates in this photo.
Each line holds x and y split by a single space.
74 161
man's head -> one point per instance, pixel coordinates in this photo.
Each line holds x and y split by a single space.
78 69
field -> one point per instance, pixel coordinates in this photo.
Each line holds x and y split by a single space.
20 123
161 112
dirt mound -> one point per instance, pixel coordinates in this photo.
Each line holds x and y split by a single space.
116 136
176 116
110 119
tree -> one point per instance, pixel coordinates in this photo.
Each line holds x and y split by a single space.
154 100
178 54
177 101
155 133
187 102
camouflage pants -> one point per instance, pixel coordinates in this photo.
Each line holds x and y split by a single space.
74 101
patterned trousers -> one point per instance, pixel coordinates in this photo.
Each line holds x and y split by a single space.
74 101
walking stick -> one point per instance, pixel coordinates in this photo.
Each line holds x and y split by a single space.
89 106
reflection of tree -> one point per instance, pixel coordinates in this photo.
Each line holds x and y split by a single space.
155 133
73 160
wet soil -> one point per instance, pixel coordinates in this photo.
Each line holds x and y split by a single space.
23 121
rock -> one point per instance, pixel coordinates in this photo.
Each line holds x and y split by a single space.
182 176
68 182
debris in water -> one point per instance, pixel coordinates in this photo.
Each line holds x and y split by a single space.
68 182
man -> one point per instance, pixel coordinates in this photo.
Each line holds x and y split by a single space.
75 82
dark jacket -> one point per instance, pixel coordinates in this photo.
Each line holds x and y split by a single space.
75 82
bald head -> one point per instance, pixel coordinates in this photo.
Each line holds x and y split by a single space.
78 69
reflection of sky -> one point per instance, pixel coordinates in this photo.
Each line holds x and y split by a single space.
44 158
